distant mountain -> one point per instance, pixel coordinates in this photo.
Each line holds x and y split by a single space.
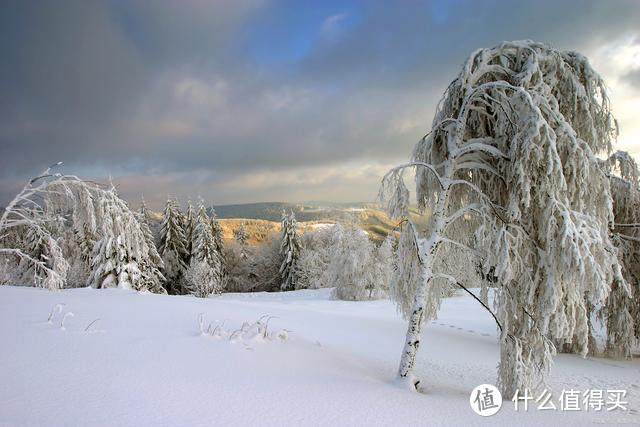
307 211
263 219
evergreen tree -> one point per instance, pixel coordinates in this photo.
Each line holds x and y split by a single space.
216 230
289 250
173 247
240 234
189 226
116 257
144 212
152 267
204 275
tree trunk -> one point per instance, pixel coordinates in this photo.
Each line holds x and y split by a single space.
427 249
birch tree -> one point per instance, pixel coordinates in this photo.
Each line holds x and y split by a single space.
508 173
622 310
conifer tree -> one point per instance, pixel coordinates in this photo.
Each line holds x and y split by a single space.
204 275
240 234
173 248
289 251
189 226
216 230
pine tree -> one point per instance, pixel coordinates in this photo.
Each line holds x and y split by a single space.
240 234
152 267
204 275
35 243
173 248
289 251
216 229
189 226
144 212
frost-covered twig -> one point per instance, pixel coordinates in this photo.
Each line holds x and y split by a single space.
90 324
64 318
55 310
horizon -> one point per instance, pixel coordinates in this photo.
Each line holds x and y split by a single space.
253 101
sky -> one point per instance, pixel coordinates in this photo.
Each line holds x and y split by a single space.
254 100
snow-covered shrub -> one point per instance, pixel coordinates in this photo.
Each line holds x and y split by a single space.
257 331
201 280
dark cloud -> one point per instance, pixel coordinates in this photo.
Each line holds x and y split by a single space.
632 78
223 94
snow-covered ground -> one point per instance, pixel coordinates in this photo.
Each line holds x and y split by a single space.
144 362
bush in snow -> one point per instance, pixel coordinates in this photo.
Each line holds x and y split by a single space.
509 173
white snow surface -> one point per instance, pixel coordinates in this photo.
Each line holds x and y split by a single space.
144 362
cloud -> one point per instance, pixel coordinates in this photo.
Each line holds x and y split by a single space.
231 96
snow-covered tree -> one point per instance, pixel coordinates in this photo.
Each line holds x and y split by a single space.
622 309
264 265
216 229
52 208
204 275
289 251
152 266
315 255
383 266
351 267
240 235
144 211
123 252
509 174
173 248
189 227
238 268
31 212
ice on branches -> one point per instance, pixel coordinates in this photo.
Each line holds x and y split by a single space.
511 159
60 217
